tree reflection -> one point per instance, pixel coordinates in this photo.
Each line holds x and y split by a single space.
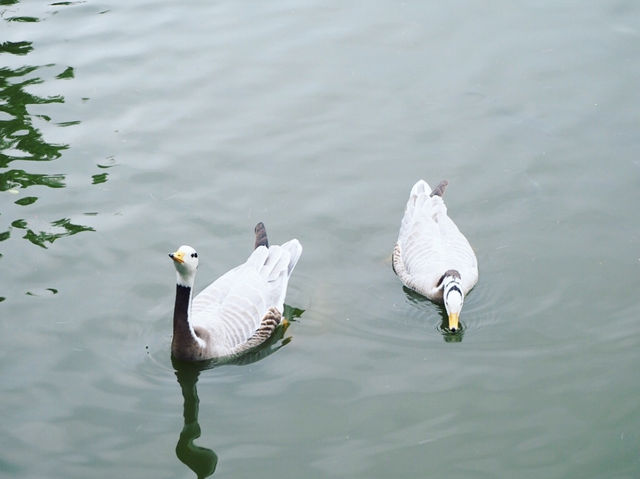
201 460
18 133
21 141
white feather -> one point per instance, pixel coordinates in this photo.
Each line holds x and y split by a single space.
232 307
430 243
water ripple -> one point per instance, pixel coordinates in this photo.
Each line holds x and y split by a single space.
24 147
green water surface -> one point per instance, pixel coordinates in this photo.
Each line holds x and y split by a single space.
130 128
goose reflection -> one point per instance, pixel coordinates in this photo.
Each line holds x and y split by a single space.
421 301
201 460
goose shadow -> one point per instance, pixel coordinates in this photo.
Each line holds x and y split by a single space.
447 335
202 460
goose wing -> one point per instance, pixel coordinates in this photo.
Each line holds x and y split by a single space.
232 307
460 254
430 243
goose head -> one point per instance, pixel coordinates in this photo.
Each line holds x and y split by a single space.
185 259
453 297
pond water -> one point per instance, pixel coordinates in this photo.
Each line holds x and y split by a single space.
129 128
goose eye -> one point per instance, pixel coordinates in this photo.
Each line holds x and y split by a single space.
194 255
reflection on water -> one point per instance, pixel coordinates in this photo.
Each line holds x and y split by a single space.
20 139
40 238
201 460
22 142
447 335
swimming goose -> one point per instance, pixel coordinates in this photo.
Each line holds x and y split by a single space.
432 256
238 311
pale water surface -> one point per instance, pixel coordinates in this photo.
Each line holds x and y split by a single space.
129 128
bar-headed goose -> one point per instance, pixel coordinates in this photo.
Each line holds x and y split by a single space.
238 311
432 256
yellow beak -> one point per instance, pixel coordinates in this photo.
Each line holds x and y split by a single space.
178 256
453 321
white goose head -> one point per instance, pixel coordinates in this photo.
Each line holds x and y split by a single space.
185 259
453 297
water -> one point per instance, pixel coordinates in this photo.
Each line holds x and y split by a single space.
129 129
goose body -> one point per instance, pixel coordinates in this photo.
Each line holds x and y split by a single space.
238 311
432 256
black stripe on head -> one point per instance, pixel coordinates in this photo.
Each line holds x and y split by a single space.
454 288
453 273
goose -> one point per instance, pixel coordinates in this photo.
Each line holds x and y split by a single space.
238 311
432 257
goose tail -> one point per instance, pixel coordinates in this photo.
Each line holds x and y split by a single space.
439 190
261 236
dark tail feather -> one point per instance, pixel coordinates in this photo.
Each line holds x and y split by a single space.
261 236
439 190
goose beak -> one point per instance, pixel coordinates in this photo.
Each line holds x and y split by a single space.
178 256
453 321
